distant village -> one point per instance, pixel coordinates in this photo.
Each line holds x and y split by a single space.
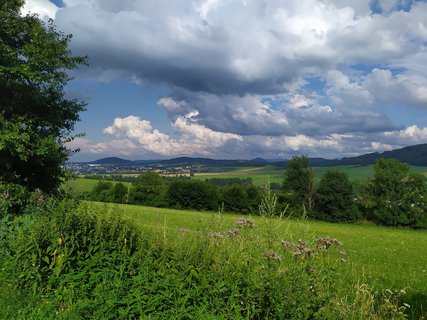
165 170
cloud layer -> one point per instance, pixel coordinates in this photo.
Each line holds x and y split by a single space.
258 78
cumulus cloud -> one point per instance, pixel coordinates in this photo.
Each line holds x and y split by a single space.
193 138
240 73
44 8
288 114
236 47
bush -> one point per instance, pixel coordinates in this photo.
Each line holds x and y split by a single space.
13 199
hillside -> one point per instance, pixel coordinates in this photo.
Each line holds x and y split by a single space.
413 155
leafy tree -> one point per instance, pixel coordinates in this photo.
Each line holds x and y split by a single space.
335 198
36 118
149 188
193 195
102 191
399 195
299 182
119 193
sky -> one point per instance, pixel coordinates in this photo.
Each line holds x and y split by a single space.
240 79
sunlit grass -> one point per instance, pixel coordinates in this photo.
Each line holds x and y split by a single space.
389 257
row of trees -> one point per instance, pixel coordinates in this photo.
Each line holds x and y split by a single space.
151 189
394 197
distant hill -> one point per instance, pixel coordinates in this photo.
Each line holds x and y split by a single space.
413 155
110 160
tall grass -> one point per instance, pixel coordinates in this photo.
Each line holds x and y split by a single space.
73 261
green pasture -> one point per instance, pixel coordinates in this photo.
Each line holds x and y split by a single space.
80 185
259 175
389 258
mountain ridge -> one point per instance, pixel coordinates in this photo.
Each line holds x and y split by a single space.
414 155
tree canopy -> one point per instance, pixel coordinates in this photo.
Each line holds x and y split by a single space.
36 117
299 182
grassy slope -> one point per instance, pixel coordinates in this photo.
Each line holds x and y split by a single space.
84 185
390 258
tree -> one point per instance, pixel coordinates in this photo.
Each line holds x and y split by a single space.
335 198
148 188
299 182
36 119
399 195
187 194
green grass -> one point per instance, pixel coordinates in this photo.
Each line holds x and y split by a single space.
389 257
261 175
80 185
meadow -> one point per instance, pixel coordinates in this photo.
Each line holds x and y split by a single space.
388 258
259 175
80 185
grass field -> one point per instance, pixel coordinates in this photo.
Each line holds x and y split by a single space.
389 258
259 175
80 185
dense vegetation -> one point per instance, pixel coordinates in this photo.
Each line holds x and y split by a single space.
68 261
36 118
394 197
65 259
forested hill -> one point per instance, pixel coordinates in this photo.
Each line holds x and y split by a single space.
413 155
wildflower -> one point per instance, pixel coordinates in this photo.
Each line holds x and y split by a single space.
327 242
287 244
343 260
245 223
272 256
217 235
342 252
232 233
296 253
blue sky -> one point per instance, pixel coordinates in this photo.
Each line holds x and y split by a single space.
244 79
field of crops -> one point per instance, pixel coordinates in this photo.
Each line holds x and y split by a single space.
389 258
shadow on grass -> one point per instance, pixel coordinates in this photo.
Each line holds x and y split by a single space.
418 303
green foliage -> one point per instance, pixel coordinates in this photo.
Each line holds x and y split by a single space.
13 197
299 182
240 199
149 188
75 262
335 199
35 117
398 196
222 182
193 194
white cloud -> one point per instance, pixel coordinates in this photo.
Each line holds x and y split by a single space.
194 138
44 8
240 73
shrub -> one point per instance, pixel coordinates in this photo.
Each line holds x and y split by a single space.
13 199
